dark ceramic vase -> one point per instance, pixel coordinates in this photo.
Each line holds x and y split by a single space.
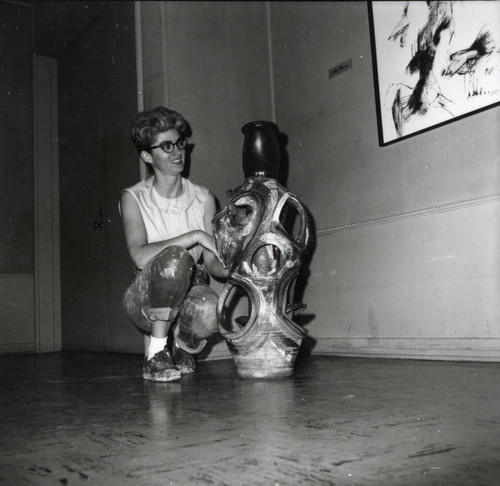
261 149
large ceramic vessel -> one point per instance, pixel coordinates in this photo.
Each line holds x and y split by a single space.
263 253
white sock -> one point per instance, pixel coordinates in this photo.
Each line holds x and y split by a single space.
156 345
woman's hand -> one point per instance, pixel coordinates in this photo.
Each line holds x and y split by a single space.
207 241
211 258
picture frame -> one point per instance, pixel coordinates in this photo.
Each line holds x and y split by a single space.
434 63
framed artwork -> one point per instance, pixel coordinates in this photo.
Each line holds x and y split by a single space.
434 62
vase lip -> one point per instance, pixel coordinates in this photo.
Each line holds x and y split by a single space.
259 123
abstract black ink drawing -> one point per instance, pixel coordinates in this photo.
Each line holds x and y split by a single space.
434 62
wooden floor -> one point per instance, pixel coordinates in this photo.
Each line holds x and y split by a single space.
75 419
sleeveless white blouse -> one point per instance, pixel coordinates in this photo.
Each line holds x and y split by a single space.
166 218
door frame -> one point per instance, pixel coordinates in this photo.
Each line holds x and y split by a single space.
48 335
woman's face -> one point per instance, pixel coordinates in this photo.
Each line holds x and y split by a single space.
168 163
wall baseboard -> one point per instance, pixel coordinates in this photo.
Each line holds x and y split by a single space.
17 348
215 352
407 348
397 348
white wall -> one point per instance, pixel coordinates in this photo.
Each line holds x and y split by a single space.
407 253
421 285
17 243
210 62
17 313
405 262
212 67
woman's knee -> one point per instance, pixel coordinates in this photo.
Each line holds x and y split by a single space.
165 279
162 283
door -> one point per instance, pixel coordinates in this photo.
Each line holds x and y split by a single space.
97 100
81 172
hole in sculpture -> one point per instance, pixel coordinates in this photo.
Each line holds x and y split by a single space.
237 309
292 220
267 260
241 214
242 208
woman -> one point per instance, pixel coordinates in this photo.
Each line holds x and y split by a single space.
167 221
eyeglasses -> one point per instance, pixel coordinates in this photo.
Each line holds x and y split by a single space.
168 146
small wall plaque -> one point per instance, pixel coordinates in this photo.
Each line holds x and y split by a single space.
340 68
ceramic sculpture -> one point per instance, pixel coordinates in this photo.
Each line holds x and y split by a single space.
263 253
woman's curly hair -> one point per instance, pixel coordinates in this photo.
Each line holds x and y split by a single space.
149 123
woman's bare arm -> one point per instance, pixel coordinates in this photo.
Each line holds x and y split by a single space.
136 237
211 258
